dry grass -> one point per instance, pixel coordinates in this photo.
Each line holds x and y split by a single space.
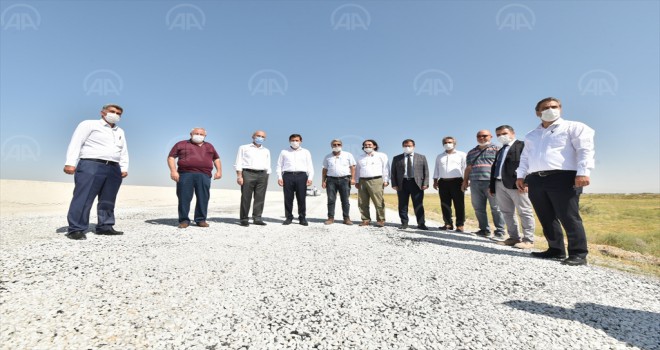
623 230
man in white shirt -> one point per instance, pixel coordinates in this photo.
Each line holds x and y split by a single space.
294 173
503 186
252 172
556 164
447 179
372 175
98 156
338 176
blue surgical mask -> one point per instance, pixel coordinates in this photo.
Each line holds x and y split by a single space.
259 140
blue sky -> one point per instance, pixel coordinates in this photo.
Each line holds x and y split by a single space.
386 70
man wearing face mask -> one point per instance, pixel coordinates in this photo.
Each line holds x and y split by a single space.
98 156
338 176
477 176
252 171
509 198
372 175
447 179
410 177
196 159
556 164
294 173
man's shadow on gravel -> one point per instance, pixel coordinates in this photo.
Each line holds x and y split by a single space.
439 240
230 221
634 327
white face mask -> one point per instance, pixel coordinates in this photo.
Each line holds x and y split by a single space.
336 149
294 144
198 138
550 114
408 150
448 146
484 143
112 118
368 150
504 139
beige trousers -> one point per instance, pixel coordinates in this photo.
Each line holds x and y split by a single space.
371 190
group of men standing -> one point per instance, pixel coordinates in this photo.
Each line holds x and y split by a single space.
552 164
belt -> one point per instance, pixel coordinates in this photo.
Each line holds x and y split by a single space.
451 179
547 172
370 178
107 162
254 170
339 177
498 179
295 172
408 179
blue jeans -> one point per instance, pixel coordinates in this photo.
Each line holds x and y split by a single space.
190 183
94 179
343 186
479 194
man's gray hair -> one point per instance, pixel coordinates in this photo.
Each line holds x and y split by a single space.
112 105
193 129
336 140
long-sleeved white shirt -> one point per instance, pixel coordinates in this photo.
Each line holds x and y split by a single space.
96 139
450 165
295 160
372 165
252 157
564 145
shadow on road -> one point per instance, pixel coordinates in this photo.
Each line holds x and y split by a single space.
634 327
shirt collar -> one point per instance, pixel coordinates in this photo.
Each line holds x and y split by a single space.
104 123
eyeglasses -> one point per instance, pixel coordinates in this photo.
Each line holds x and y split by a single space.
336 144
481 136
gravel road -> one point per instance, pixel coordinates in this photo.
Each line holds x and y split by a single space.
315 287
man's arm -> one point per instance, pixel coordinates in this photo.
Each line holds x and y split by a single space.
466 178
582 138
394 179
324 174
171 163
218 169
78 138
425 183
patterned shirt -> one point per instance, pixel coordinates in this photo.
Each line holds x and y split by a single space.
481 162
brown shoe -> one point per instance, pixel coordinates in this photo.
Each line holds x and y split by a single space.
524 245
365 223
330 221
202 224
184 224
509 241
348 221
460 229
380 223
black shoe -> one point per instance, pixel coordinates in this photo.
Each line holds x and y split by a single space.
403 226
446 227
245 223
422 227
483 233
77 235
259 222
109 232
287 222
549 254
304 222
574 261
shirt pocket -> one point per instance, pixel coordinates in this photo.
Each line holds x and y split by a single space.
558 139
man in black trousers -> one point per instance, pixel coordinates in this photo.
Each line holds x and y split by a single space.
294 173
252 171
556 162
410 177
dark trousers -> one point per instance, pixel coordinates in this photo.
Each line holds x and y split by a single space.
556 203
450 191
94 179
343 186
408 190
190 183
254 184
295 184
